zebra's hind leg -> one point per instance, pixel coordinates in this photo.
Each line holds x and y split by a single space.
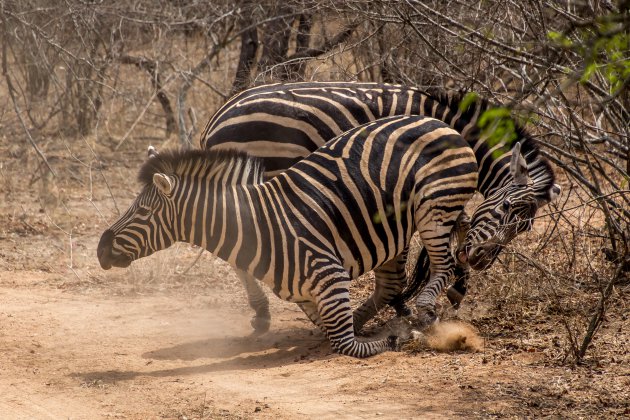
310 309
258 301
332 298
390 279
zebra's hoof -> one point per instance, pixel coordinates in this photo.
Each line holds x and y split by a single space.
260 323
454 296
426 318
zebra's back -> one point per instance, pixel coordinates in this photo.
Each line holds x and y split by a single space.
284 123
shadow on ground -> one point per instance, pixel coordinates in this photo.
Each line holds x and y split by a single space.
273 349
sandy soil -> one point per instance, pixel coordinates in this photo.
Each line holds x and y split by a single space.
167 338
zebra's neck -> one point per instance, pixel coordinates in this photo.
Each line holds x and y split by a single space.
494 166
228 224
210 188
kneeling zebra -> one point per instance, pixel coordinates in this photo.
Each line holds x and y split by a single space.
351 206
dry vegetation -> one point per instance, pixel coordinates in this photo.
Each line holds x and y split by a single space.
87 86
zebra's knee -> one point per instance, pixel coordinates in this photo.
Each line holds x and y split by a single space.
454 296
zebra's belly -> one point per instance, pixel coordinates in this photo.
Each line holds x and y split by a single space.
305 262
357 265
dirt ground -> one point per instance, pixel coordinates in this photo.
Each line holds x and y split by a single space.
169 337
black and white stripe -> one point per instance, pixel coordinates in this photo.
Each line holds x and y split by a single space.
349 207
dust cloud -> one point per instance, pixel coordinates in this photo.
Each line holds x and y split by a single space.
446 337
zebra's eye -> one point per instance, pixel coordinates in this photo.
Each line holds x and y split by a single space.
143 211
506 205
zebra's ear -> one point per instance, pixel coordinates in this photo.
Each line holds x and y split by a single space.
152 152
551 195
164 183
518 166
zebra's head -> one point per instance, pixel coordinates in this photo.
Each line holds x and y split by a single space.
163 212
509 210
144 228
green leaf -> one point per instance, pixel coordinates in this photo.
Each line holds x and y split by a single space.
497 126
469 99
559 39
588 72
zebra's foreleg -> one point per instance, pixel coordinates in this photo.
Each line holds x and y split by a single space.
333 304
258 301
456 292
399 305
442 265
390 279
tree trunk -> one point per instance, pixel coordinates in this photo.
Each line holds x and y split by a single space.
276 36
247 57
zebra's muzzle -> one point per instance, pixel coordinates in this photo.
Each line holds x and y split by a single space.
106 257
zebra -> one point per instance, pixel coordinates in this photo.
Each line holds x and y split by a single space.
347 208
284 123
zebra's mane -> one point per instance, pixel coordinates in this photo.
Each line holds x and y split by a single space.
235 167
539 167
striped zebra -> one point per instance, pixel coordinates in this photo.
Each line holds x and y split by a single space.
347 208
284 123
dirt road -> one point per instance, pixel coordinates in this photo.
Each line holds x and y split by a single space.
92 355
89 356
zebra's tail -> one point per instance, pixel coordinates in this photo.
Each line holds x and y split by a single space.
419 278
